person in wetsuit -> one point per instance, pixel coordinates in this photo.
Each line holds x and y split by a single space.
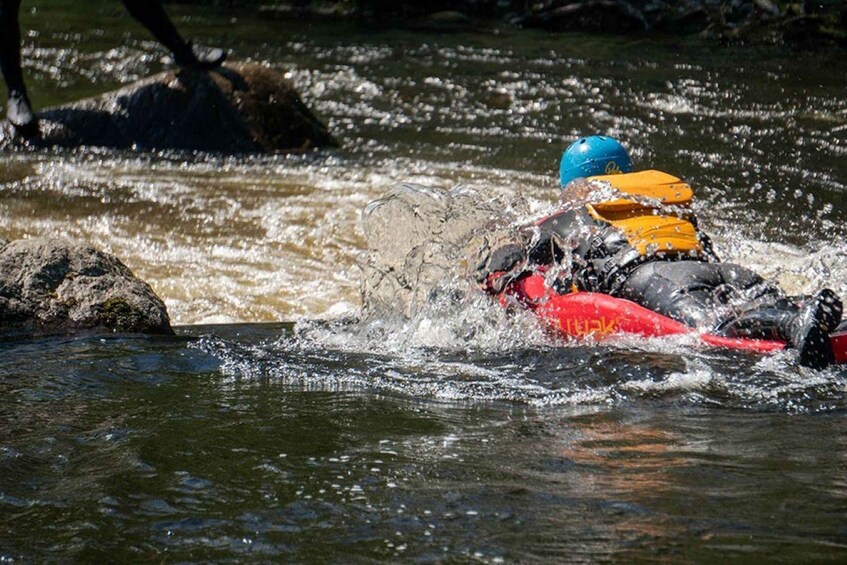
149 12
657 258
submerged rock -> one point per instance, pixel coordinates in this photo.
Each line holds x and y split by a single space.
238 108
52 286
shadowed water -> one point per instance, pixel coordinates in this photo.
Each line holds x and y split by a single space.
245 443
461 433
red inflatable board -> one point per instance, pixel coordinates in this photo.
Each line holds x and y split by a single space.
583 314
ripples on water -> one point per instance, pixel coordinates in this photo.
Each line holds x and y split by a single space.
439 358
248 445
263 239
461 433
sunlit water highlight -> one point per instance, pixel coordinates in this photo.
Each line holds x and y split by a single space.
462 433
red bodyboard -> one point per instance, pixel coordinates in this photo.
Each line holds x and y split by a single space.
839 344
583 314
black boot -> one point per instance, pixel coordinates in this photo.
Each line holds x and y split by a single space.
195 57
810 329
805 326
19 112
151 14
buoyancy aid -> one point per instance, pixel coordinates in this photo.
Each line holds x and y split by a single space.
643 219
650 220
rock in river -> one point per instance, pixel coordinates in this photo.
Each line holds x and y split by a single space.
606 16
237 108
53 286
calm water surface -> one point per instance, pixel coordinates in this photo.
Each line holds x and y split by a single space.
283 430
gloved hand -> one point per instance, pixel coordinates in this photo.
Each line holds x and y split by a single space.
496 268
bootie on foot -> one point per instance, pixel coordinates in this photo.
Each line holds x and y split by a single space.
203 58
19 113
817 317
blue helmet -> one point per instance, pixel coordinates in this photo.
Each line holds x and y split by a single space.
591 156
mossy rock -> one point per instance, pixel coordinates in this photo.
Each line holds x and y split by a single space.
51 286
119 316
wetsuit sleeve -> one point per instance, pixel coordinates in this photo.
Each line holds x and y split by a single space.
547 250
706 242
503 258
507 264
497 263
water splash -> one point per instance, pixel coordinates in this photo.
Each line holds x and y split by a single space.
425 330
419 244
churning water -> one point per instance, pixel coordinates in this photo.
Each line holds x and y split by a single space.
458 432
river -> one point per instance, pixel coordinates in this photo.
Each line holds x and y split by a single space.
275 427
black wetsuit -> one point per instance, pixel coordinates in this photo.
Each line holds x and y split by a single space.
695 289
667 266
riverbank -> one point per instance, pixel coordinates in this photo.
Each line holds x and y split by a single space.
798 24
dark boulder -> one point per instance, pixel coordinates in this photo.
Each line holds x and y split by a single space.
599 16
238 108
55 287
446 21
680 19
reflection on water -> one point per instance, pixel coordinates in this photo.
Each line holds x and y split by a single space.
143 448
461 433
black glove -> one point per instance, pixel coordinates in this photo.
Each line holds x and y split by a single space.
505 258
501 266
